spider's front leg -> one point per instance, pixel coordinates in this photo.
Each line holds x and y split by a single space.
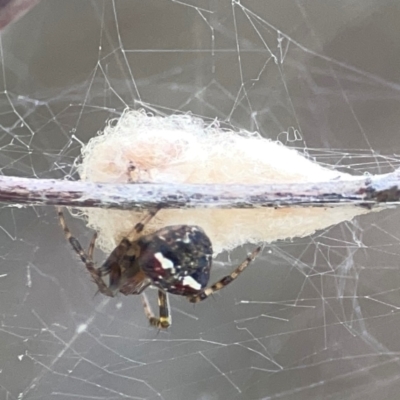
164 320
86 259
226 280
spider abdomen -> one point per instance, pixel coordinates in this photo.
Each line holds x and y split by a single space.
177 259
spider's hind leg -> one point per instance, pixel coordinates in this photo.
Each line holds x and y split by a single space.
226 280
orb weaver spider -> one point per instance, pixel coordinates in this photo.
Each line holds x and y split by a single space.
175 259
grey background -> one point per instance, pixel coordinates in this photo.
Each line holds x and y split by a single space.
322 320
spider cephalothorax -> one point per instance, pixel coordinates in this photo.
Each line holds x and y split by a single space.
175 259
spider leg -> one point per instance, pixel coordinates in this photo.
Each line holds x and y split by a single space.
111 265
91 246
226 280
132 236
86 259
164 320
144 287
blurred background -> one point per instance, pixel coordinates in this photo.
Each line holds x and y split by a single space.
314 318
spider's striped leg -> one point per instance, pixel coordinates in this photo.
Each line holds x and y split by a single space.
91 246
226 280
138 228
86 259
164 320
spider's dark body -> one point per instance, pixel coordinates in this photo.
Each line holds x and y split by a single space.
175 259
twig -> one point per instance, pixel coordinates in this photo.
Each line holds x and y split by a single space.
364 191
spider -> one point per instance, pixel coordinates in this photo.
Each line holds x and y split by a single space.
175 259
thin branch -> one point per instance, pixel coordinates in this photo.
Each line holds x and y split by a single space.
364 191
